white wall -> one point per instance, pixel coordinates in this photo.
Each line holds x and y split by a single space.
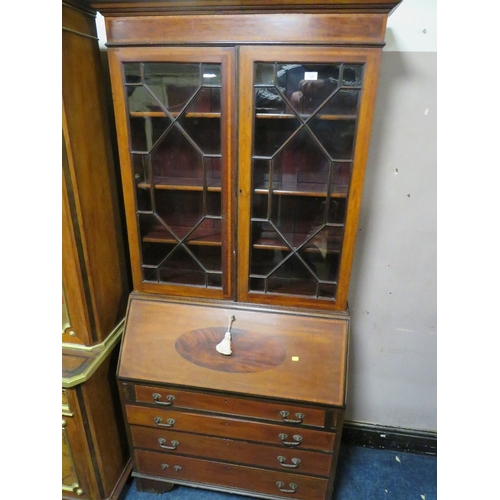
412 27
392 378
393 294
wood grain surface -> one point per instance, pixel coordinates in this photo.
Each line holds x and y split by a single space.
252 352
312 370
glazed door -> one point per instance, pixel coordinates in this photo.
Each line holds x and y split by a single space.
174 112
304 122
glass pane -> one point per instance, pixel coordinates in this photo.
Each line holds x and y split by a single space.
132 72
214 205
148 122
204 131
150 274
176 161
261 174
303 147
293 278
258 284
336 136
259 206
297 218
141 168
214 280
209 256
264 74
341 177
337 210
269 100
213 167
141 100
181 267
141 178
211 74
269 249
153 230
206 101
207 233
352 75
301 165
321 253
175 128
343 102
306 86
180 210
271 134
155 253
173 84
327 290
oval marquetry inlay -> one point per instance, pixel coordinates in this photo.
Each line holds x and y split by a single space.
252 352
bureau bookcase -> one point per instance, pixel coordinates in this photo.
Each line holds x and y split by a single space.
243 130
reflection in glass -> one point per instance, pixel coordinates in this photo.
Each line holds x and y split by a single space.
303 152
270 135
343 102
352 75
173 84
211 74
336 136
132 72
176 150
264 74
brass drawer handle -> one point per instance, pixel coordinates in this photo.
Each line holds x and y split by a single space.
177 468
292 486
297 441
295 462
169 402
162 444
158 422
284 414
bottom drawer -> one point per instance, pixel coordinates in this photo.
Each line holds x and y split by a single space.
247 479
229 450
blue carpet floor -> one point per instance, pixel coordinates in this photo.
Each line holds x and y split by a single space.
362 474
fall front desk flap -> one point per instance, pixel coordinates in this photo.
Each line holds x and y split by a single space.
272 354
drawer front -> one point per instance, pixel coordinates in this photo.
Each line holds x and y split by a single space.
281 412
286 436
261 455
247 479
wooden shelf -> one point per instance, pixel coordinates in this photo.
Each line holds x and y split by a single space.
181 184
286 116
303 189
269 241
202 237
290 286
161 114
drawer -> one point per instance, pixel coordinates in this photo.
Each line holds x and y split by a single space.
246 479
274 457
281 412
286 436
